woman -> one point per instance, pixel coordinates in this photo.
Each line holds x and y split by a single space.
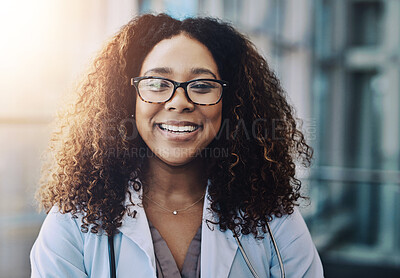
176 160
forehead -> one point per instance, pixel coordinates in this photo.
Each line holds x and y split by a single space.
180 54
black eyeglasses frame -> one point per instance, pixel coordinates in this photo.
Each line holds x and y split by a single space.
135 81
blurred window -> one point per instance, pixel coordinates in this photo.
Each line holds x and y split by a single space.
356 181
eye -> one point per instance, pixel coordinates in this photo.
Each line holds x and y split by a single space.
155 85
203 86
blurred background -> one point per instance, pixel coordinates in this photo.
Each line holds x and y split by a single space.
337 59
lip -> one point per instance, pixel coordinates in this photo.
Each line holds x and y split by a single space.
182 136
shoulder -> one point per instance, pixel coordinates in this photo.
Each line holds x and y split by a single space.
57 223
57 230
298 252
289 226
58 249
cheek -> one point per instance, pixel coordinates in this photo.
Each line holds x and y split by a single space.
214 118
138 115
217 123
143 116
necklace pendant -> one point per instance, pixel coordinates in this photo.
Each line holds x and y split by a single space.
174 212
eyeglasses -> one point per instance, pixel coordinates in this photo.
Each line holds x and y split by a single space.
154 89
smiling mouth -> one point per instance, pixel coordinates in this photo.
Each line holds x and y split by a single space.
178 129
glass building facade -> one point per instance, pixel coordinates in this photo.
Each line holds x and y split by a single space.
337 59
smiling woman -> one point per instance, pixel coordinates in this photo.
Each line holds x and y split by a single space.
176 211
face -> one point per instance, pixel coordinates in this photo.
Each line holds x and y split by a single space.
176 131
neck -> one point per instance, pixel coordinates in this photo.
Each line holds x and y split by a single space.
179 184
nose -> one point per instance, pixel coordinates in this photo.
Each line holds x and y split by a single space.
179 102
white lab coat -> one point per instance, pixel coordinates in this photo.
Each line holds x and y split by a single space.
62 250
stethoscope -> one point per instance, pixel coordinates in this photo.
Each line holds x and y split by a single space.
246 259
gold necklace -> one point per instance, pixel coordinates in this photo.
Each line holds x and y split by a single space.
174 212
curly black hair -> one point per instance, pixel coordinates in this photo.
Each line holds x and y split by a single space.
90 173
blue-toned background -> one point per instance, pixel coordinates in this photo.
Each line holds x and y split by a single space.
337 59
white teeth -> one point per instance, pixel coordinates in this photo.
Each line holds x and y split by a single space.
174 128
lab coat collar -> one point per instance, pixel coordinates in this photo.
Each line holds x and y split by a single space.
218 248
137 228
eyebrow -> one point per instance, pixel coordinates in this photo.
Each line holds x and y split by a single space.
167 70
159 70
202 71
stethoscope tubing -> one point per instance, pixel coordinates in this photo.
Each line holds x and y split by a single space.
278 254
113 272
246 259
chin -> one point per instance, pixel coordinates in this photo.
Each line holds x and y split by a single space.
173 158
177 162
